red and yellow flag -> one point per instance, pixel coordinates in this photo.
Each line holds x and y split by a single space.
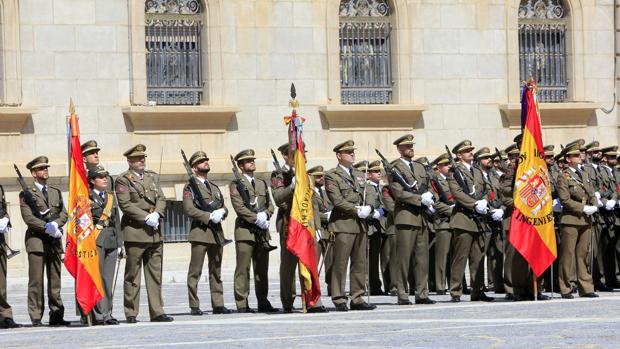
301 229
81 256
531 225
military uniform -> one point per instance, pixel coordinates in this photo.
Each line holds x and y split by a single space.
249 246
206 238
467 224
139 197
325 245
410 219
6 313
345 189
441 223
90 147
610 196
575 228
44 247
109 241
389 258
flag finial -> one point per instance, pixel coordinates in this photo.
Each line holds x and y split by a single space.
293 103
71 107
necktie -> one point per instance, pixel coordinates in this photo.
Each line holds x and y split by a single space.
351 172
44 191
102 195
253 184
471 170
579 174
411 166
320 192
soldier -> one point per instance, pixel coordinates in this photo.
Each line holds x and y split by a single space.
345 188
443 233
414 203
143 205
388 252
376 227
104 209
578 205
610 196
557 209
325 246
6 313
283 186
251 231
44 243
206 235
494 240
467 223
600 234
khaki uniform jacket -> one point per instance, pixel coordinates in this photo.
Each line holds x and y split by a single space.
611 191
465 203
507 194
441 218
283 197
201 230
245 216
574 195
389 205
345 193
36 237
111 236
374 198
131 193
409 208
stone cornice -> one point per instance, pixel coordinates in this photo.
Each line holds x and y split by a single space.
179 119
386 117
553 115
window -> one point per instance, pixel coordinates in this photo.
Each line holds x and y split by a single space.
365 53
176 224
174 51
542 47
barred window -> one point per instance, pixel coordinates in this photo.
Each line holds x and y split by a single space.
542 47
174 51
365 53
176 225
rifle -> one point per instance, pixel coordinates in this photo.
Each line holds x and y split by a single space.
260 234
276 163
202 204
395 173
11 252
460 180
435 183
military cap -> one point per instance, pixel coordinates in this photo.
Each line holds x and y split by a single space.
247 154
374 166
502 156
404 140
198 157
580 142
512 149
463 146
483 153
610 151
549 150
37 163
422 160
136 150
594 146
441 159
361 165
90 147
344 146
572 149
559 157
97 171
316 171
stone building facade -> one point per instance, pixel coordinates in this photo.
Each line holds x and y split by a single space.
454 70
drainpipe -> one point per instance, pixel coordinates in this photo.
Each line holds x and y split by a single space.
616 54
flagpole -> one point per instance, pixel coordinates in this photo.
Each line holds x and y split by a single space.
367 239
535 287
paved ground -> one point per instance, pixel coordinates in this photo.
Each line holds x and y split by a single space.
579 323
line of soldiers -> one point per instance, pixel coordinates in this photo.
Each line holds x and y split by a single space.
416 233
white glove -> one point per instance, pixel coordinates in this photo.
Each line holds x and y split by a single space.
363 211
328 214
263 225
261 218
57 234
598 195
498 215
610 204
481 206
293 182
317 235
427 199
152 219
217 215
589 210
4 223
557 205
377 214
50 228
430 210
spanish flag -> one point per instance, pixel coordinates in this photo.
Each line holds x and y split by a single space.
81 256
301 230
531 224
